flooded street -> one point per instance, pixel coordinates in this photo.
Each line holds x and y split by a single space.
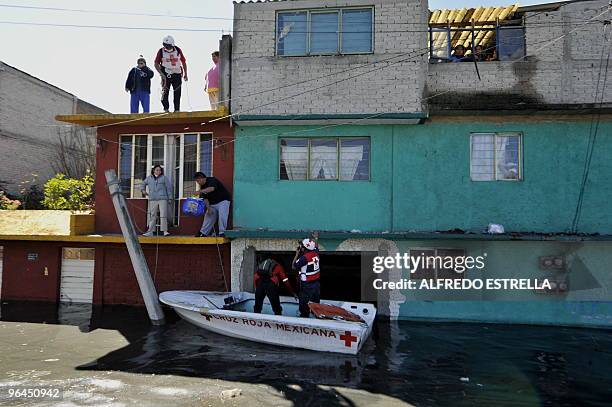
112 356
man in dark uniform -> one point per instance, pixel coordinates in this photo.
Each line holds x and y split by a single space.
217 204
268 277
306 261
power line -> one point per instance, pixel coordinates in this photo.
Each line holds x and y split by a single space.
137 14
222 30
593 130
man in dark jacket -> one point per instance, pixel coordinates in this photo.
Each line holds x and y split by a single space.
138 83
217 200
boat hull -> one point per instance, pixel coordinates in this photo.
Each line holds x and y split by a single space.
282 330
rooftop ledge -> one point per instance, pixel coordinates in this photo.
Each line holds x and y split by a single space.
144 118
173 240
347 118
410 235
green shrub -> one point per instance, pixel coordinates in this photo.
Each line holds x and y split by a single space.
8 203
72 194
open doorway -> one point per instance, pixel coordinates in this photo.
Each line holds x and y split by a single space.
340 273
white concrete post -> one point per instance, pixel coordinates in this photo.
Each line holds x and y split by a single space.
145 282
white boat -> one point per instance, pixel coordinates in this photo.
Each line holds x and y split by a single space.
232 314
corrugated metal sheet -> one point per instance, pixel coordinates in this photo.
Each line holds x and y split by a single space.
480 17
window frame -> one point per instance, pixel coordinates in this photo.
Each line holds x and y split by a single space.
338 158
308 12
167 166
518 134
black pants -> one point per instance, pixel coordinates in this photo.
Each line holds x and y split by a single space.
175 80
267 287
309 292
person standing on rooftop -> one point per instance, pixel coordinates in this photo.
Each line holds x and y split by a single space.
212 82
171 64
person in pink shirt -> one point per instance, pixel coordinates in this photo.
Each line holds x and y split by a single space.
212 82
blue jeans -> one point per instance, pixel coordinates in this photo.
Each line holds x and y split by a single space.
139 97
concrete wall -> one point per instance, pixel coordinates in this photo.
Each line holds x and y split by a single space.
586 301
554 73
420 180
28 130
395 88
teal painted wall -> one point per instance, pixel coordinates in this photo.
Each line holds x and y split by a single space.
420 181
588 301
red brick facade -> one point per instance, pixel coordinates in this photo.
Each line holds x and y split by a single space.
179 267
108 156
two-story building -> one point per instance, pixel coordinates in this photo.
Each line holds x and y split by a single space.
86 260
352 120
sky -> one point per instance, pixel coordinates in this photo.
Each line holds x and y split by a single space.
93 63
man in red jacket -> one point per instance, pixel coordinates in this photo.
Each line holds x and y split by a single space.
268 277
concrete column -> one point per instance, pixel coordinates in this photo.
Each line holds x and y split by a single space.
225 68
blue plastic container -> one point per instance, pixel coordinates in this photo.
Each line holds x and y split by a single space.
194 207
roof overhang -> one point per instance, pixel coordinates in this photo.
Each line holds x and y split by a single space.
409 235
144 119
330 119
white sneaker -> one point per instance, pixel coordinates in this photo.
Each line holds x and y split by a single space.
166 234
148 234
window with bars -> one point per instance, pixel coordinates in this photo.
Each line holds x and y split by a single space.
325 32
320 159
496 156
181 155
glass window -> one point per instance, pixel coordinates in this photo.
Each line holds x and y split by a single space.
511 43
507 155
324 33
292 33
317 32
206 149
125 165
323 159
495 157
482 157
357 30
141 169
355 159
190 163
293 159
157 150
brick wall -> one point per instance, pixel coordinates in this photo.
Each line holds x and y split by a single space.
394 88
554 74
28 130
178 268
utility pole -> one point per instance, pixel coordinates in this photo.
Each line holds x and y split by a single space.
145 282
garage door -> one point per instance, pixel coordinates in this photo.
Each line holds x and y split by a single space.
77 275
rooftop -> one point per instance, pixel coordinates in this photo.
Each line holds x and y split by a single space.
144 118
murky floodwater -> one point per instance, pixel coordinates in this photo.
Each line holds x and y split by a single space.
424 364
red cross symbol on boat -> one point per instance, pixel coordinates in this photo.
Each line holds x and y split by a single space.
348 339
